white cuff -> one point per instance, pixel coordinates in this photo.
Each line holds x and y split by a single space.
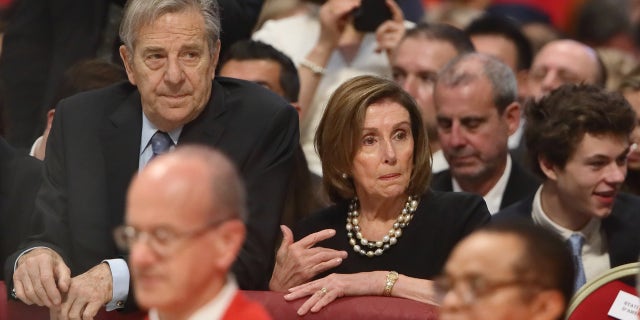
120 283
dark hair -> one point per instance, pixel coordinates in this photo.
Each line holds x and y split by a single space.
444 32
460 71
256 50
546 259
598 21
630 81
507 28
558 122
341 126
88 75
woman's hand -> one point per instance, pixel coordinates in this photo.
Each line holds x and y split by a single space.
324 291
334 16
298 262
390 33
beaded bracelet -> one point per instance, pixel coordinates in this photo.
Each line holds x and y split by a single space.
316 69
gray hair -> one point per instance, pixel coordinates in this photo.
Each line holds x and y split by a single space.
503 82
139 13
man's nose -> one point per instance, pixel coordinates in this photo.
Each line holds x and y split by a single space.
456 136
174 72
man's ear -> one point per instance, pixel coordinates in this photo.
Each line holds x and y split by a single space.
548 305
215 58
127 58
547 168
511 116
229 239
50 115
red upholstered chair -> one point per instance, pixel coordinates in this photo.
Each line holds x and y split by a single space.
594 299
369 307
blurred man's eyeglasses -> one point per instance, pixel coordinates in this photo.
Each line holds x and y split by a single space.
470 289
162 240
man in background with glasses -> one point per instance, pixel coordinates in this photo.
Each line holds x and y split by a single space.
184 229
507 270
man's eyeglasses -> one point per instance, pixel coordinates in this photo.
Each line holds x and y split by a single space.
470 289
162 240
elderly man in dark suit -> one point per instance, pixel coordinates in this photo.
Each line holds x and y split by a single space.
476 108
578 137
170 53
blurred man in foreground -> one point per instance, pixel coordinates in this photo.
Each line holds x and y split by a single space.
507 271
184 228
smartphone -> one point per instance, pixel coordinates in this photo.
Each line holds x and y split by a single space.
370 15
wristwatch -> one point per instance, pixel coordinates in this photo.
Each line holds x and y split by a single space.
392 277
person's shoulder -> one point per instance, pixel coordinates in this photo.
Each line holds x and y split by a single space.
518 210
441 180
112 92
301 21
451 199
626 206
242 93
242 307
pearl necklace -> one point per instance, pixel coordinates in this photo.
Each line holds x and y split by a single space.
375 248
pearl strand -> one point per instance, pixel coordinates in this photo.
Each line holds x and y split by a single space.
375 248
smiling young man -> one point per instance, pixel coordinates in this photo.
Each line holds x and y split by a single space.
578 137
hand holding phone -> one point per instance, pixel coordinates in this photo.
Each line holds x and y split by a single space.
371 14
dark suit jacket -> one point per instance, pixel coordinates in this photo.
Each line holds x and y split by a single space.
46 37
441 220
20 178
622 226
93 152
521 183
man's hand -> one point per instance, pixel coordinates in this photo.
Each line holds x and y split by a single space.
298 262
87 293
41 277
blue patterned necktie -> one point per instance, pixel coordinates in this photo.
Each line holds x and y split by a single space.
160 143
576 241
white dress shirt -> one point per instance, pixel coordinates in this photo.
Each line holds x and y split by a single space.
595 253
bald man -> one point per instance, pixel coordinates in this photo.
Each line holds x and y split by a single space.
564 61
184 229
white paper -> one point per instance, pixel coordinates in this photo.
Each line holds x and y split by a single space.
625 307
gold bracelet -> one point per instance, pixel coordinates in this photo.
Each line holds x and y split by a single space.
316 69
392 277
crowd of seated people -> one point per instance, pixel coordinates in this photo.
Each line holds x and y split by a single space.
316 159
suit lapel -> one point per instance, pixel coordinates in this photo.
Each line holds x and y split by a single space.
120 140
209 126
519 185
441 181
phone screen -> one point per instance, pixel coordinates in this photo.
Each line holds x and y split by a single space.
370 15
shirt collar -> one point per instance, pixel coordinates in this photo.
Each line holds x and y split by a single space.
589 231
149 129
